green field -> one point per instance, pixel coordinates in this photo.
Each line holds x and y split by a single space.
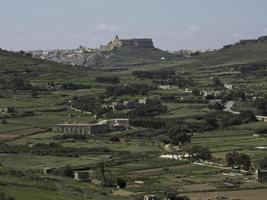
134 156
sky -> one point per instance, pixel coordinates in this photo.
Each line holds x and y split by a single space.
172 24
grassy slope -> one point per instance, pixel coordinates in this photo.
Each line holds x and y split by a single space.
40 72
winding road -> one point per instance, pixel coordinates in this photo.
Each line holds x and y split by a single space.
228 108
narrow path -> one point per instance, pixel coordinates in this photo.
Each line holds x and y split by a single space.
80 111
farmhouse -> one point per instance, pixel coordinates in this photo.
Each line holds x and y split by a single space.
46 170
228 86
83 129
261 175
215 93
103 126
82 176
215 101
261 118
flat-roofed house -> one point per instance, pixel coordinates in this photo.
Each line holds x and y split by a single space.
82 176
261 175
81 128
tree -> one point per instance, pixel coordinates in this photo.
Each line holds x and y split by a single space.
179 134
114 139
248 116
196 92
121 183
238 159
171 196
11 109
245 161
67 171
200 153
4 121
211 121
262 163
218 84
231 159
262 105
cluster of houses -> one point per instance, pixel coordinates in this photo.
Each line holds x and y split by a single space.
102 126
77 56
128 104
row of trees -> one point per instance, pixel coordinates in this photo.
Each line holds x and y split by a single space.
131 89
248 69
207 123
105 79
54 149
176 81
16 83
159 74
90 104
74 86
148 122
151 108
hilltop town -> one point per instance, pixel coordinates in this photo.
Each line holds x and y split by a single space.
89 57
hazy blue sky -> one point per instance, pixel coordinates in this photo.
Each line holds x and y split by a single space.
173 24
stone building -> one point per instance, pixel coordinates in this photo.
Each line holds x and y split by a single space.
103 126
83 129
142 100
261 175
228 86
135 42
116 124
82 176
261 118
47 170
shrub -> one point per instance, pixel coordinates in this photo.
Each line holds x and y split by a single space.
4 121
121 183
67 171
114 139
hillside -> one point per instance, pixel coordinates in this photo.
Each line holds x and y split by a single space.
244 51
243 64
118 53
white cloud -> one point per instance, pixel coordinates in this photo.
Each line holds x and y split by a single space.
105 27
191 31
